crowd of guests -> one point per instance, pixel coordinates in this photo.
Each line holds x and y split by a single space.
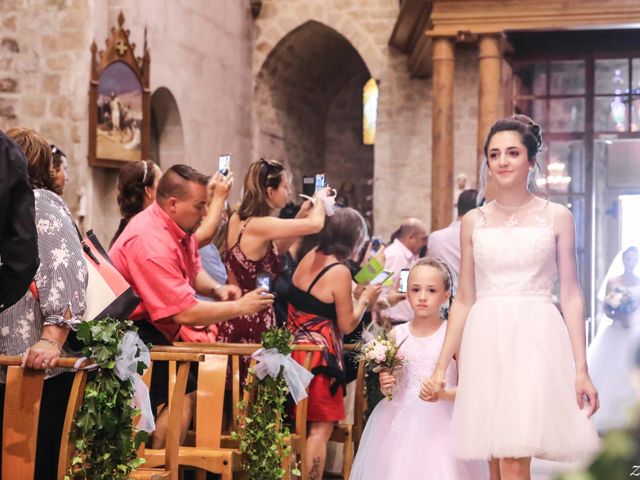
195 264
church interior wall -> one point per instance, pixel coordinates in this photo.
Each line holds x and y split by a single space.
214 64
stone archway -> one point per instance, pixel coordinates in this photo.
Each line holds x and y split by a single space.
308 111
167 138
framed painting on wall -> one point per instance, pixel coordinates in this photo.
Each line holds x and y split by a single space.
119 103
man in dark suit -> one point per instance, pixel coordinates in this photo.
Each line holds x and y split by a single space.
18 237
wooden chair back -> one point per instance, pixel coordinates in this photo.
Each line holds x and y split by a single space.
23 396
181 362
211 389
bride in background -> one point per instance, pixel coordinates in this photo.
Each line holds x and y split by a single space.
612 354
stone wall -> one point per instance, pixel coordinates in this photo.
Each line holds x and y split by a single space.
201 56
215 65
44 76
402 153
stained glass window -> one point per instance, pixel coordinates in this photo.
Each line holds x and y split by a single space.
369 111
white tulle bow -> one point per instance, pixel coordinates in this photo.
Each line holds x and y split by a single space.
296 376
133 350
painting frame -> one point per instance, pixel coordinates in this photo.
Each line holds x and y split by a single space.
119 101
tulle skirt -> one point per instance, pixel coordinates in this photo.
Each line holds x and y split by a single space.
516 389
407 438
611 360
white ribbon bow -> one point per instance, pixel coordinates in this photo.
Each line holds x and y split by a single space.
296 376
328 202
133 350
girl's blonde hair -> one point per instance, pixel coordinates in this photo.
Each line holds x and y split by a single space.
447 276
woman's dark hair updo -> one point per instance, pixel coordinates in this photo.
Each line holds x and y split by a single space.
530 133
133 179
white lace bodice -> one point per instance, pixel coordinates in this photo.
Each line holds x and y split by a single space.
420 358
514 250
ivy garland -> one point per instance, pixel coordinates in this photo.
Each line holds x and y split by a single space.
263 434
104 435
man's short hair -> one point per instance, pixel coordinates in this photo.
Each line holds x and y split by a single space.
467 201
174 182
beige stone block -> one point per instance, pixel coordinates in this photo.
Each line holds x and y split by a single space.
59 62
54 130
59 107
9 23
74 18
33 106
51 84
76 136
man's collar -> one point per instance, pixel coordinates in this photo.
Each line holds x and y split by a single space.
408 254
173 228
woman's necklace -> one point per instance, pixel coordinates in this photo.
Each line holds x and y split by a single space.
515 207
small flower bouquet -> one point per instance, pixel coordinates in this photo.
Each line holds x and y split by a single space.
379 351
619 304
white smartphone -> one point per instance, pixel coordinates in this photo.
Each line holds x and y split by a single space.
224 164
381 277
321 181
404 281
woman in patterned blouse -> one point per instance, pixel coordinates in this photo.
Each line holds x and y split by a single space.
37 326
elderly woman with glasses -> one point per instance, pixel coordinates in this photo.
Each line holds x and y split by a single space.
256 238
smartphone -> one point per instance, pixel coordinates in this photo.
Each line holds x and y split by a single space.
224 164
263 280
321 182
404 280
376 243
309 185
381 277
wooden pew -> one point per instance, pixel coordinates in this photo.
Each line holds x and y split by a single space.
349 434
169 463
23 396
213 451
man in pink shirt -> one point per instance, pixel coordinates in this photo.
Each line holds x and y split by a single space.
157 254
409 240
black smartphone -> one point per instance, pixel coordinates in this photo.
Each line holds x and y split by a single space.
321 182
263 280
376 243
309 185
404 281
224 164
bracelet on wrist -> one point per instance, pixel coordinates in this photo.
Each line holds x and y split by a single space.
51 341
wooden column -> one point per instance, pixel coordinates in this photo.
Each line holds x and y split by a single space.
442 133
489 90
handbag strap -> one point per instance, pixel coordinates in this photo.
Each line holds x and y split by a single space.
85 248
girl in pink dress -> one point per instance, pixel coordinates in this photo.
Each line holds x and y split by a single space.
406 438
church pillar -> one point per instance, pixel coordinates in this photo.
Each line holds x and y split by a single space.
489 89
442 132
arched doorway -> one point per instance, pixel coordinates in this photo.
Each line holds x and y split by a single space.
309 106
167 138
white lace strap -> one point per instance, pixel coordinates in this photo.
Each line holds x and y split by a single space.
481 218
402 332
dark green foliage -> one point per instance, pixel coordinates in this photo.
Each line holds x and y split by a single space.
104 435
263 433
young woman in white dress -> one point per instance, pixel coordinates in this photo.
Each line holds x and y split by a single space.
612 354
521 392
